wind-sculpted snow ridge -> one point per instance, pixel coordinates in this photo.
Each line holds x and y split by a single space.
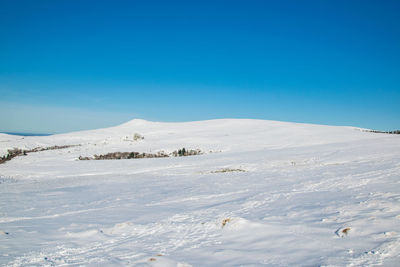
263 193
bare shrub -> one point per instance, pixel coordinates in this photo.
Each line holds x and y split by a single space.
186 152
137 137
139 155
228 170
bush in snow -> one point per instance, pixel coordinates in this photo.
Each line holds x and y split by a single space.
137 136
137 155
184 152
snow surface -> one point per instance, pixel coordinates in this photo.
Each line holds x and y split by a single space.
310 195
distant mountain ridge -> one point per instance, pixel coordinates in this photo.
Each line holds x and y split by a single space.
27 134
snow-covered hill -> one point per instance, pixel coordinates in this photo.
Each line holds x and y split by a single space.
263 193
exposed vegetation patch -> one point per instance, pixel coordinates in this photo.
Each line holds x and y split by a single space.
12 153
387 132
342 232
136 137
185 152
346 230
137 155
225 221
125 155
228 170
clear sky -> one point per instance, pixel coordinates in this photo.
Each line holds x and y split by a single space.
72 65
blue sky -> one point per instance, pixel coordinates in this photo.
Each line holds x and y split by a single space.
73 65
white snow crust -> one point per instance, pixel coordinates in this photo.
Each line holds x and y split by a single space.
305 195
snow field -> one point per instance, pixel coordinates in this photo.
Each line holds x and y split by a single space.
305 195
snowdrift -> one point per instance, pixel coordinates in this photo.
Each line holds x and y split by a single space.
260 193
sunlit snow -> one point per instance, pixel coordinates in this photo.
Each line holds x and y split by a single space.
262 193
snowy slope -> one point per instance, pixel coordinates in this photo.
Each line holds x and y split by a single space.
298 194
